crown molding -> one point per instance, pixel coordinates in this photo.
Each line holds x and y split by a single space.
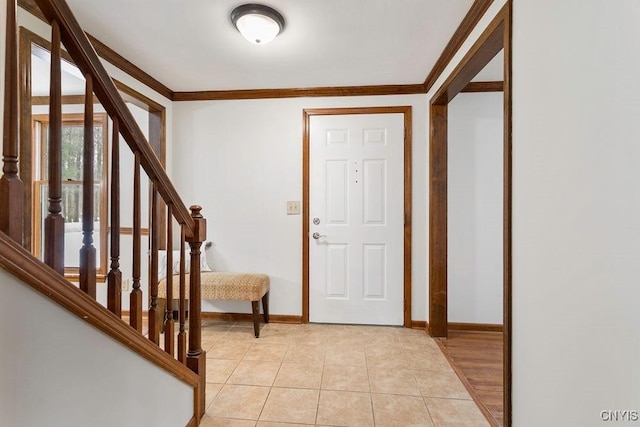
217 95
476 11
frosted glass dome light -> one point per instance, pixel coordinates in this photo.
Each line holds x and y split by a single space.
257 23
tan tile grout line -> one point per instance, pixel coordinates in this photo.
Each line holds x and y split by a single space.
320 388
366 364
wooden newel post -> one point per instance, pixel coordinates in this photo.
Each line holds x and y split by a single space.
11 187
195 354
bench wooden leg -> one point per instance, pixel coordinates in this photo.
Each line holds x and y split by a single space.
265 307
256 317
160 313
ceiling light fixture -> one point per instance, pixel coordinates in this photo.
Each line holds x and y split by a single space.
257 23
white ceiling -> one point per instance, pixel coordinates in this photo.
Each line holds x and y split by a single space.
192 45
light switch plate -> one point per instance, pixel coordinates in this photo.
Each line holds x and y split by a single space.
293 208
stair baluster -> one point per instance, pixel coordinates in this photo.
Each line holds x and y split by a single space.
168 323
54 223
88 251
135 300
154 328
114 278
182 335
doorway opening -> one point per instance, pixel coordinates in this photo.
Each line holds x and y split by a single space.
495 38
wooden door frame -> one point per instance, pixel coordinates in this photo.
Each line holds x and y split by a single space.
306 128
497 36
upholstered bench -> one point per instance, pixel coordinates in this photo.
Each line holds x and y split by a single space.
215 285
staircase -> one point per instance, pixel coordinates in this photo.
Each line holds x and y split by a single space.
173 345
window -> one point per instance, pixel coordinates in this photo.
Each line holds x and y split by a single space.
72 164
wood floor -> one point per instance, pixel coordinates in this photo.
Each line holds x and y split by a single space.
477 358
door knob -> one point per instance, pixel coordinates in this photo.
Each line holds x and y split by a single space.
317 235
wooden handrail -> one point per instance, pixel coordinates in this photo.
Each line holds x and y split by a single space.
86 59
49 279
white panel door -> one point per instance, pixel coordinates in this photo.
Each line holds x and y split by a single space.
356 210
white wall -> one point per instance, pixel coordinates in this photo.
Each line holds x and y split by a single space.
242 160
57 370
576 210
475 138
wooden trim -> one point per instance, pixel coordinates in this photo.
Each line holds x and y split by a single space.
475 13
128 67
193 422
306 130
483 50
496 36
480 327
127 313
108 54
420 324
247 317
470 389
438 221
484 87
306 122
40 277
73 275
66 99
408 214
133 96
507 228
31 7
490 42
218 95
125 231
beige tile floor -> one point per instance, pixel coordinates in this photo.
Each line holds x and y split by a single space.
330 375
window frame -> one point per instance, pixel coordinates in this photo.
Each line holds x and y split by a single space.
38 141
